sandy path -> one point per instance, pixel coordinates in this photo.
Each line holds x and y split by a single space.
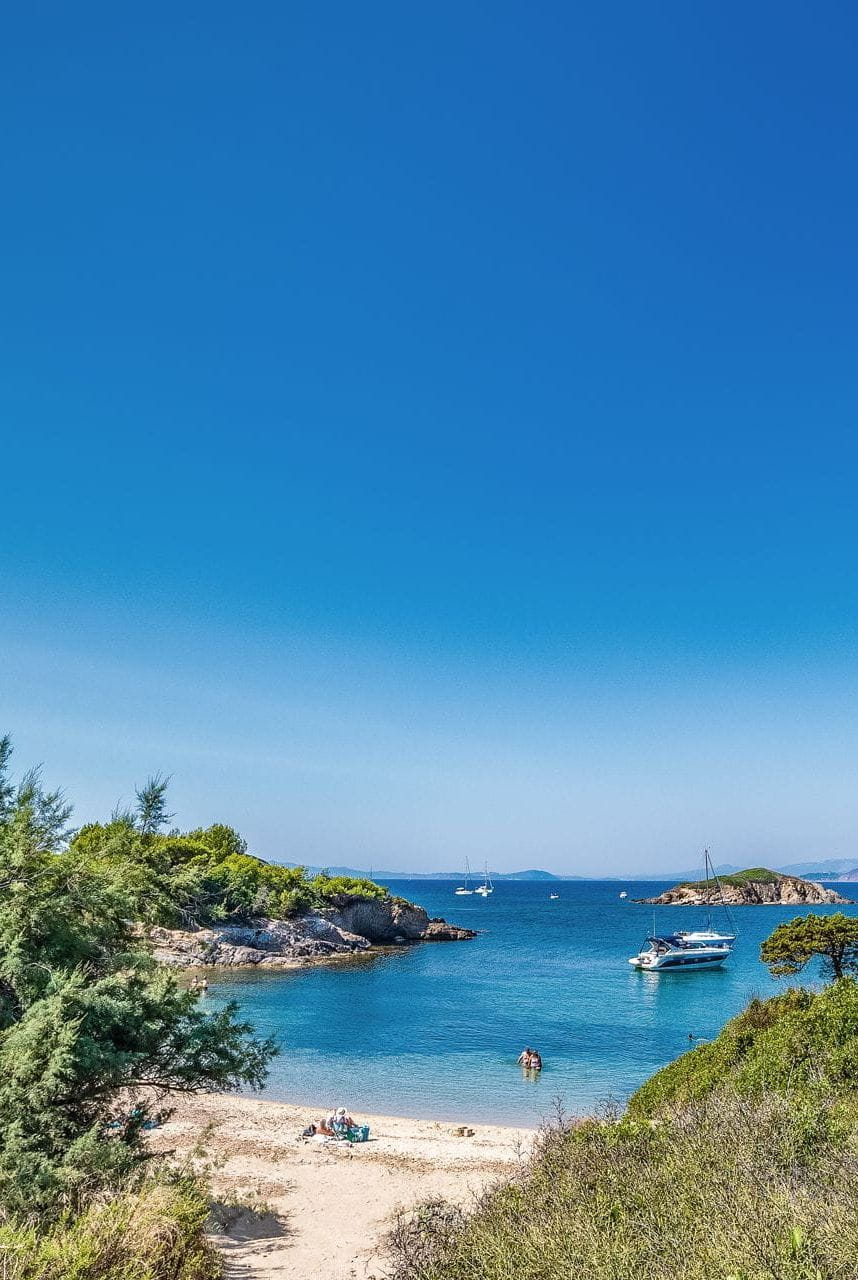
331 1204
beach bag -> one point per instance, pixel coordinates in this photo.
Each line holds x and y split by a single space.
309 1132
360 1133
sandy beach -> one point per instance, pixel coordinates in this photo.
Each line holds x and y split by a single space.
324 1207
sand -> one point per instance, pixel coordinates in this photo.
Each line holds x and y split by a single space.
323 1209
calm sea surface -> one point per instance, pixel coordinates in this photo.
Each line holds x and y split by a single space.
434 1030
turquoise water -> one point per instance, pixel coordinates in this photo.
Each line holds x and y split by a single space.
434 1030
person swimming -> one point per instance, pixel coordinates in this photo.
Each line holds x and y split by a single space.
530 1059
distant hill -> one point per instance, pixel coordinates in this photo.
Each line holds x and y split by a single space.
834 869
722 869
476 874
830 869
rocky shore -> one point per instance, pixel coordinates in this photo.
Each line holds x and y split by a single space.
353 925
772 889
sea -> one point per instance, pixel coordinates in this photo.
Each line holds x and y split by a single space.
433 1030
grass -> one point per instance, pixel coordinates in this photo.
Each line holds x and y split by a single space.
719 1189
151 1234
738 1161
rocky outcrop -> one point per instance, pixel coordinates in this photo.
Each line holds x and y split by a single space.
773 890
391 920
381 920
440 931
350 926
271 944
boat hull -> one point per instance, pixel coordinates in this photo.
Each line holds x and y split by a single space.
676 963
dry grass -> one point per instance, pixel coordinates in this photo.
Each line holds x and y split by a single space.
151 1234
723 1188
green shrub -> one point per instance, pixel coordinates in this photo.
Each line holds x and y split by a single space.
754 875
155 1233
794 1042
722 1188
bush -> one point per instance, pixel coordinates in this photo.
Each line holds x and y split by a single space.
721 1188
155 1233
795 1042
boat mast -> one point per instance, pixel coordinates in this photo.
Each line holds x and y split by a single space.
708 900
727 910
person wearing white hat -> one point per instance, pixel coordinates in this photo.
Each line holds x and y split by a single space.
339 1120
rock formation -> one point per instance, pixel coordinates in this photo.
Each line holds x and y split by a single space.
745 889
352 925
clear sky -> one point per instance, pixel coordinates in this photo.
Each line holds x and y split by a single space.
430 430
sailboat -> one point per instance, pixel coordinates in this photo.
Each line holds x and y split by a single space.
486 887
689 949
465 890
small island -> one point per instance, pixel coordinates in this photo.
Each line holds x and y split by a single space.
756 887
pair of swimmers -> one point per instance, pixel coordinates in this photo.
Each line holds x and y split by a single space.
530 1059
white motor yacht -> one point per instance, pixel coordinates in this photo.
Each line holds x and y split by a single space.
700 949
688 948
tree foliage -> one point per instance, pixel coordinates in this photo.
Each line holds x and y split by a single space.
93 1034
151 809
831 939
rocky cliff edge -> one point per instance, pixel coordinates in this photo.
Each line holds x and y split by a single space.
350 926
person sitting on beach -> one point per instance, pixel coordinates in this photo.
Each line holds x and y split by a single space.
339 1121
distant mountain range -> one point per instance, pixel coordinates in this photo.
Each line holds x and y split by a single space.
832 869
435 875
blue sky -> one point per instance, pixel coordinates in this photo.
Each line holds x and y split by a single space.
430 431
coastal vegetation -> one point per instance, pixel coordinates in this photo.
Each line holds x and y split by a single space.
203 876
95 1036
753 875
831 939
739 1160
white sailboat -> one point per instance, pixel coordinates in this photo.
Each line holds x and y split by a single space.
486 887
465 890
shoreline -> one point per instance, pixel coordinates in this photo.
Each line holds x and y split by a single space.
323 1208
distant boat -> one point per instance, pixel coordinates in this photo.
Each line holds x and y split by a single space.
624 894
695 949
552 896
465 889
486 887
